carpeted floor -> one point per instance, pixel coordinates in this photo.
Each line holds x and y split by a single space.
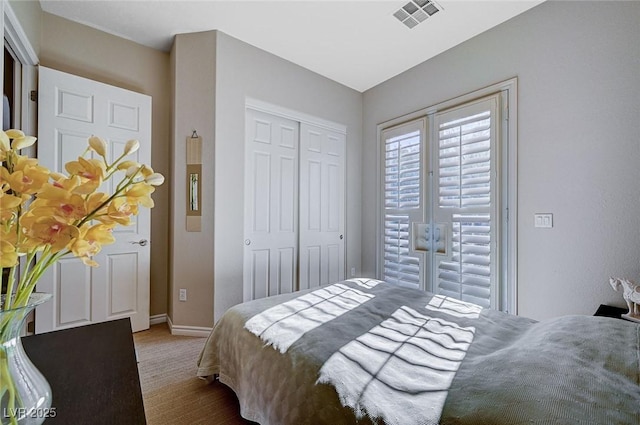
172 393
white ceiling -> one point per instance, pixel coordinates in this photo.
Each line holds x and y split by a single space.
357 43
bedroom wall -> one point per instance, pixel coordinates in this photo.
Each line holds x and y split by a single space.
245 71
80 50
578 69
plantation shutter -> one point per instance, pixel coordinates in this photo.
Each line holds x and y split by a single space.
465 179
403 162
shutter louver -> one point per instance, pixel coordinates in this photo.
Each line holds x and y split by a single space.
399 266
402 172
467 276
402 192
465 162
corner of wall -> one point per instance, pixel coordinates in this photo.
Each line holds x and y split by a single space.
193 70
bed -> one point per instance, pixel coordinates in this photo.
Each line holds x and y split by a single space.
364 351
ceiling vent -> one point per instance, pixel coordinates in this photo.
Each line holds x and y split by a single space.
416 11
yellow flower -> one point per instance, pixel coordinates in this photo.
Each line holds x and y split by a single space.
56 214
22 142
4 142
90 242
95 200
8 203
57 201
27 177
8 254
90 171
14 134
125 165
119 211
140 194
66 183
48 230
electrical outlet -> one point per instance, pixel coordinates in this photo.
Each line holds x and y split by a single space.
353 272
183 294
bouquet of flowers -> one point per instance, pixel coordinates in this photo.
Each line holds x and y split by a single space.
46 215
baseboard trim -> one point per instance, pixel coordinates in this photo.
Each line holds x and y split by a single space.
156 319
181 330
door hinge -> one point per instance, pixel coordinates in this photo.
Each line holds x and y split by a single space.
33 95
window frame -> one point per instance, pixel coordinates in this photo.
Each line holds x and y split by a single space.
506 198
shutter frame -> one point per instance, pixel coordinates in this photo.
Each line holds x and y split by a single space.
403 204
466 144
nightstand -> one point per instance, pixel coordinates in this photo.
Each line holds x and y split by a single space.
610 311
93 373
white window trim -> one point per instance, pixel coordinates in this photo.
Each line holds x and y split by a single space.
509 183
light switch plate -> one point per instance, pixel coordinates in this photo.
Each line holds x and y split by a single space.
543 220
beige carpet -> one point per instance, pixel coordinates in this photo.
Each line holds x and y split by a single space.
172 393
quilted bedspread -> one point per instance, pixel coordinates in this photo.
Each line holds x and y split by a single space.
364 351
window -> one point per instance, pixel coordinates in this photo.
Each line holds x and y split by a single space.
445 198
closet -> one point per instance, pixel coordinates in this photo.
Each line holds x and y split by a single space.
294 202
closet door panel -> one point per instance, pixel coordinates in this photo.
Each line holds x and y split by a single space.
271 205
322 206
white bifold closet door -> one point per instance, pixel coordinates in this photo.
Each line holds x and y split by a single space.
294 206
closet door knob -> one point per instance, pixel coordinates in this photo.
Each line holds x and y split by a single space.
247 242
341 237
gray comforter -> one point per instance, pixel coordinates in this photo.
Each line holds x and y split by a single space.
363 351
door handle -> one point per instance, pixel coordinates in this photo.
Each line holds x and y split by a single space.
141 242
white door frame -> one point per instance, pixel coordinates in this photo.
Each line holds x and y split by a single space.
19 43
26 57
291 114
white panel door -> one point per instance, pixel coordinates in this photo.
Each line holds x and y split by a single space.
271 205
70 109
322 206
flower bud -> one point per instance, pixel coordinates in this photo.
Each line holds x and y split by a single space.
131 147
155 179
98 145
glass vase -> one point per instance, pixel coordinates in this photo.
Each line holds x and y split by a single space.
25 395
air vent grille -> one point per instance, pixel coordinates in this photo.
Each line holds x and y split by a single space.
416 11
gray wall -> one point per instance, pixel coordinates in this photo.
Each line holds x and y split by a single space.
578 69
245 71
